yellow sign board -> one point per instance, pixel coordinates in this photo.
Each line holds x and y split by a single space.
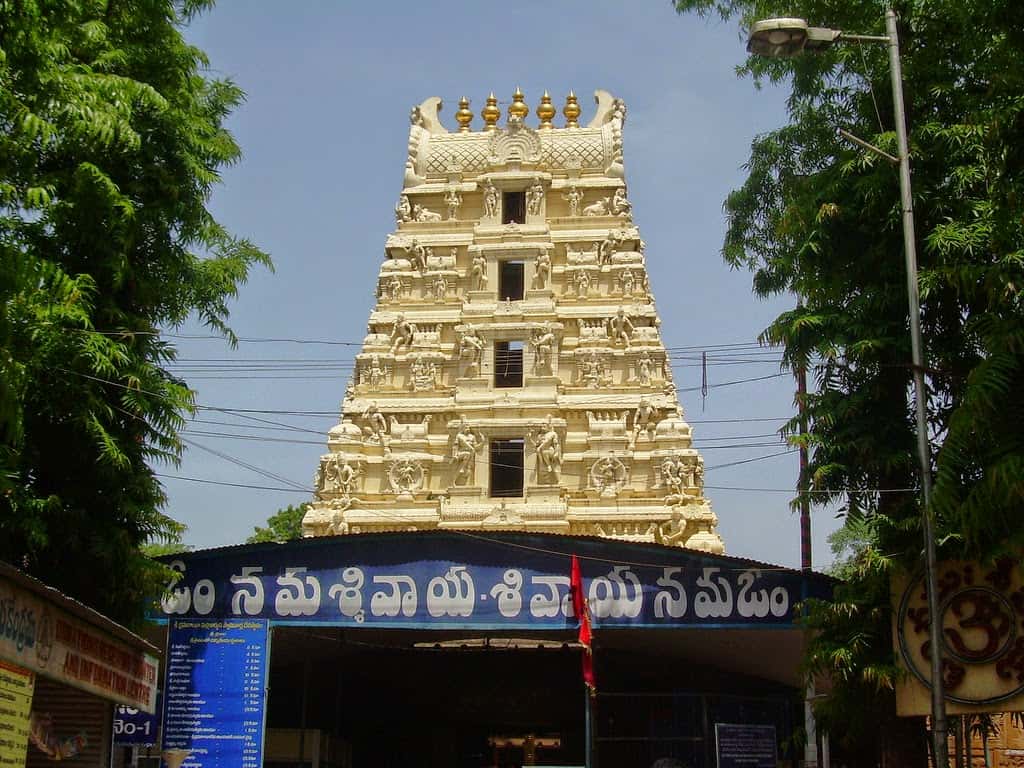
981 613
16 687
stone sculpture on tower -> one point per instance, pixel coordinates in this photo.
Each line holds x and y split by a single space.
513 376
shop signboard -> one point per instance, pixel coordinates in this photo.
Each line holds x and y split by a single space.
215 693
47 639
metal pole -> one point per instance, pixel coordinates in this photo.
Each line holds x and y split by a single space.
939 726
588 736
805 502
811 744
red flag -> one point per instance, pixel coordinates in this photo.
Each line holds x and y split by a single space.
582 612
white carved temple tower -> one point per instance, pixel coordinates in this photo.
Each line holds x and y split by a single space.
513 376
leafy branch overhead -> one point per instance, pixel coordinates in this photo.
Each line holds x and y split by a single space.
820 218
113 140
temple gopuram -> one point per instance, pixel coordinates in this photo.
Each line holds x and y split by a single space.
513 376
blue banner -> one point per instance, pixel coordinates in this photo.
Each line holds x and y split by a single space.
448 580
215 692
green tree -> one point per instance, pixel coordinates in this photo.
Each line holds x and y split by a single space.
284 525
820 219
112 141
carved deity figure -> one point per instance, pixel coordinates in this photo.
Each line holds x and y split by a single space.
478 273
592 371
671 532
645 367
453 200
406 476
377 425
609 246
465 446
471 347
620 327
541 270
424 374
542 341
417 254
534 197
346 476
645 418
599 208
440 286
490 200
582 283
608 475
422 213
395 287
574 197
628 282
402 332
619 205
673 472
376 373
403 210
549 451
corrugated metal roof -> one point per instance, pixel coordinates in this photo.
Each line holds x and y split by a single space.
74 607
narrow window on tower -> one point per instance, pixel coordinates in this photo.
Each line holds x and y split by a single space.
508 364
510 280
507 468
513 208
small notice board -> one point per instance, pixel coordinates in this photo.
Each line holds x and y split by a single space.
745 746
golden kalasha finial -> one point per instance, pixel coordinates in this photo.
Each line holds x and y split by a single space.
463 116
546 111
491 113
571 110
518 106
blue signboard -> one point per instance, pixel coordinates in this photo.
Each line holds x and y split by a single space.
450 581
745 746
135 728
215 692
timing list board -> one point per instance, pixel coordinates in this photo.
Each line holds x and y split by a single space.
214 695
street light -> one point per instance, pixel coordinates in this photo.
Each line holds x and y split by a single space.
784 38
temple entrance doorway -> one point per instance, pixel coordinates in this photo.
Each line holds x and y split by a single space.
404 698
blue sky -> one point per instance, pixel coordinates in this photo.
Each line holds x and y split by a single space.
329 88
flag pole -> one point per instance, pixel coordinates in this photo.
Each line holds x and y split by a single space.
588 714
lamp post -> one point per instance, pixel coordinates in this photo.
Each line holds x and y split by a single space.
784 38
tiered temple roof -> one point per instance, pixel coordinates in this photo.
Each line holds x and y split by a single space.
513 376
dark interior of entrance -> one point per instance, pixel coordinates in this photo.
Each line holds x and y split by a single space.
403 705
404 699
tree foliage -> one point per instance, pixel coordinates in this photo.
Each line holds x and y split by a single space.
283 525
821 219
112 141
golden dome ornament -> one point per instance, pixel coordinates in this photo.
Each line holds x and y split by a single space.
546 111
491 113
571 110
463 115
518 106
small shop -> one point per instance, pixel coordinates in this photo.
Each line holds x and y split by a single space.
462 649
63 670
